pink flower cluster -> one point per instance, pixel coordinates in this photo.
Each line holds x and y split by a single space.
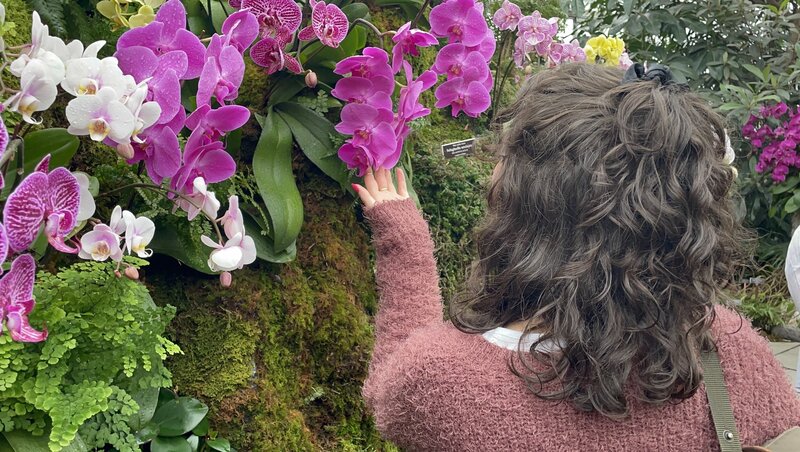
775 133
535 34
165 53
465 59
377 132
279 20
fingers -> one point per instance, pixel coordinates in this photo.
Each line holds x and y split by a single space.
380 178
389 182
370 182
365 196
402 188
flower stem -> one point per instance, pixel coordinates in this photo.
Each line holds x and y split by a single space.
163 190
419 13
497 65
370 26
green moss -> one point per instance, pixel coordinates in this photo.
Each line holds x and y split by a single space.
17 11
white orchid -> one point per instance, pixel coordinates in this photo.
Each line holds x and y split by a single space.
87 76
239 250
87 205
100 116
100 244
43 48
37 92
117 222
145 113
139 232
200 200
233 222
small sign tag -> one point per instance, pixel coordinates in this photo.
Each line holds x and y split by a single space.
459 148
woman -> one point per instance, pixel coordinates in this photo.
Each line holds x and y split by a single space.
609 231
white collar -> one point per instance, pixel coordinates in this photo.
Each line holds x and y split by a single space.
510 339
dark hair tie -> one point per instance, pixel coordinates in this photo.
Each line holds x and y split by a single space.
658 72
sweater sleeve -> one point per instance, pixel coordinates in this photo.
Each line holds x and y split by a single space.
407 278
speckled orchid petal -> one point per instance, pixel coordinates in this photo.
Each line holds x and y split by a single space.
16 300
3 146
63 205
240 29
24 211
3 246
276 18
268 53
44 165
329 23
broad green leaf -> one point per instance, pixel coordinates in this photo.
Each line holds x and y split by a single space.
755 71
787 185
22 441
147 433
352 44
355 11
175 239
218 12
272 167
285 89
147 399
194 442
312 133
167 444
219 444
793 204
57 142
197 18
179 416
265 248
202 428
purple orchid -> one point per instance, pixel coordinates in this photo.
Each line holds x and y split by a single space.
52 199
407 42
373 64
370 127
3 146
168 33
276 18
16 300
269 53
487 46
571 52
217 122
467 93
100 244
3 246
204 158
459 21
240 29
362 90
222 74
508 16
356 157
454 59
161 153
328 24
409 108
536 33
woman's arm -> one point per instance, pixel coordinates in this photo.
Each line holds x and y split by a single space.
408 281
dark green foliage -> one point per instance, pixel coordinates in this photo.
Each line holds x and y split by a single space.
104 346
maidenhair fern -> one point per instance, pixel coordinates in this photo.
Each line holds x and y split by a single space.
105 345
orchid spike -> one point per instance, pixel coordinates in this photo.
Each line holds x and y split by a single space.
407 42
459 21
16 300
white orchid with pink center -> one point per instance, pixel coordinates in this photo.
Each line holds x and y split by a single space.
101 116
239 250
200 200
139 232
101 244
37 92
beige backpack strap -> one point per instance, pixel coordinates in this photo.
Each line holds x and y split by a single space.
720 404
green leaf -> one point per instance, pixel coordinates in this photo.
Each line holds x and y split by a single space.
793 204
22 441
175 239
147 433
355 41
57 142
265 248
272 167
202 428
312 133
179 416
218 12
355 11
147 399
194 442
197 18
219 444
787 185
285 89
755 71
165 444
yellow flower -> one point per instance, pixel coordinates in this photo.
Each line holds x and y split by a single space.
113 10
118 11
608 49
144 16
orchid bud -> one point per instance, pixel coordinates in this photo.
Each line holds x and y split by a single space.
311 79
225 279
528 70
117 274
125 150
132 273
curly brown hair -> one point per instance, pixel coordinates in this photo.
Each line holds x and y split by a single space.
611 229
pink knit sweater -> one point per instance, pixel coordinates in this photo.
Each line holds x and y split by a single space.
432 387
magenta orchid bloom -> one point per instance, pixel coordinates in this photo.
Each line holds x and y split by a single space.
3 146
409 108
373 63
222 74
168 33
16 300
216 122
407 42
3 246
328 24
454 59
269 53
467 93
487 46
161 153
508 16
356 157
52 199
370 128
459 21
537 33
567 53
240 29
276 18
360 90
203 158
